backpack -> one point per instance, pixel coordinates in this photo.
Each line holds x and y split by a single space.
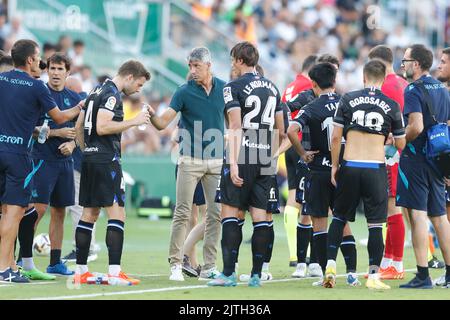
437 146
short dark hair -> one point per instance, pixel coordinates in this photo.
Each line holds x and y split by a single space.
246 52
134 68
22 50
260 70
422 55
326 57
308 63
324 74
48 46
6 61
375 70
446 51
383 53
78 42
59 58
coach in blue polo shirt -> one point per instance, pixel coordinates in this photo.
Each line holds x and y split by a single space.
420 189
201 105
23 99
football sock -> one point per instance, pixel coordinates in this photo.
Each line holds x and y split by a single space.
55 256
304 233
260 243
335 234
26 233
114 240
290 225
268 254
348 249
83 236
320 239
422 272
375 245
396 228
231 239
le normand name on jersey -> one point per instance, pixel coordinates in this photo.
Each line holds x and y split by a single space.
370 100
259 84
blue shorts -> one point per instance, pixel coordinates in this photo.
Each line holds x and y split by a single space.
54 184
199 196
16 171
420 188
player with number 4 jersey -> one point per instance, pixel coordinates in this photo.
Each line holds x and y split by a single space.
99 128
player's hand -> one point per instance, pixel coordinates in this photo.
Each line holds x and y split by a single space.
151 111
66 148
390 139
80 104
309 156
334 171
142 118
447 182
66 133
234 173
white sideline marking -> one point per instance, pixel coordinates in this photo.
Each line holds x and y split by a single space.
146 275
105 294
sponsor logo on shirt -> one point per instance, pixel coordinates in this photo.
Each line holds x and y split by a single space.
91 149
10 139
111 103
227 97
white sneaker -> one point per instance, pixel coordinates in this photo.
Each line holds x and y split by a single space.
440 281
318 283
300 272
95 248
209 274
176 273
314 270
265 276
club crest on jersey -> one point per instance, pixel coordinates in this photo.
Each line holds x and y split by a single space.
227 97
111 103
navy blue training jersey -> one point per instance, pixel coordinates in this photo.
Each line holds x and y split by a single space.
105 148
49 151
302 99
318 116
415 102
259 100
369 110
22 100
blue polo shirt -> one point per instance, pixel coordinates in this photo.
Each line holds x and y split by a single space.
203 118
415 102
22 100
49 151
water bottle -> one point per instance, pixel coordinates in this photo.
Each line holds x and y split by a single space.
390 151
116 281
142 127
43 132
98 279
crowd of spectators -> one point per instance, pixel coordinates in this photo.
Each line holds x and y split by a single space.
286 31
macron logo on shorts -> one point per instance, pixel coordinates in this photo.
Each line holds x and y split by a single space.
10 139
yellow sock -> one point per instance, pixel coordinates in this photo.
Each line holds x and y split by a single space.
290 224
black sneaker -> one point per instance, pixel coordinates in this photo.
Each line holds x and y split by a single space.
188 269
10 276
416 283
71 257
435 263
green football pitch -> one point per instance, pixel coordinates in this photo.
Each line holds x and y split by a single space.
145 257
